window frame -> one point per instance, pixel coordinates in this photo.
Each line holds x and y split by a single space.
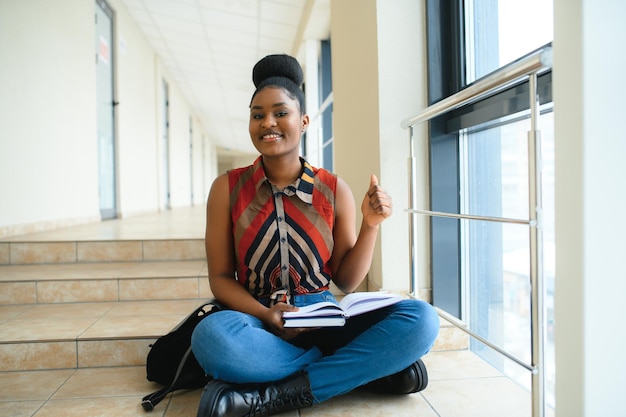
445 28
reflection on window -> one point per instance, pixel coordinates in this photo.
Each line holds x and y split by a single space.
500 31
317 146
496 256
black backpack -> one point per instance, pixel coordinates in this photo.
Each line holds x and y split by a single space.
171 362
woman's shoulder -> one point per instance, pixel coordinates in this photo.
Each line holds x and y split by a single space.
325 176
220 186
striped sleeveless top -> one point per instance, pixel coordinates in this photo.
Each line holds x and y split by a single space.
283 238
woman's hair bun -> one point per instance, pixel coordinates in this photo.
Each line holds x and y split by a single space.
279 65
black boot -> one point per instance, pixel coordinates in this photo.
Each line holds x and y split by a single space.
221 399
410 380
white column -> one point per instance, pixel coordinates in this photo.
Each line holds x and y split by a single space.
311 70
378 58
589 68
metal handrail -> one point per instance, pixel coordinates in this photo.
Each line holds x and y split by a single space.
516 70
525 68
472 217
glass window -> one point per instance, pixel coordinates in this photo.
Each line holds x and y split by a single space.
317 146
478 162
498 32
495 256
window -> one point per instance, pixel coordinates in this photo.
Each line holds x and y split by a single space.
317 146
478 157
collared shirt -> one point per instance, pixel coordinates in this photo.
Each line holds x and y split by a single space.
283 238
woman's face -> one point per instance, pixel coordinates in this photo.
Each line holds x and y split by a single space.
276 124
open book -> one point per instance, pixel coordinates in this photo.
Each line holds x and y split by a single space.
327 313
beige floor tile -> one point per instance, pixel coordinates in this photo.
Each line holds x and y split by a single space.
132 326
158 288
127 406
78 291
457 364
101 353
451 338
173 249
65 311
33 356
31 385
5 257
366 404
111 382
478 397
73 271
164 269
183 403
43 329
19 408
8 312
118 251
178 223
100 270
205 288
154 308
18 293
43 252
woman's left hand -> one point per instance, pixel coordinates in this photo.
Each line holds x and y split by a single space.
377 205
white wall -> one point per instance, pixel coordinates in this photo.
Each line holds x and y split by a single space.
137 117
180 184
402 92
47 121
48 147
378 80
589 67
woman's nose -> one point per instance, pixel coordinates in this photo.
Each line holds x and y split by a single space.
268 121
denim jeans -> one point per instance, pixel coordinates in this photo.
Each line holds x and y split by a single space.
235 347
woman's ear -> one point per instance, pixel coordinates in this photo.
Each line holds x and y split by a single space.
305 122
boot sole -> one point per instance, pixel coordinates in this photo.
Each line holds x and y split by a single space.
422 375
212 391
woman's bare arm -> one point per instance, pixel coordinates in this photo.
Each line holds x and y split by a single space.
352 255
219 245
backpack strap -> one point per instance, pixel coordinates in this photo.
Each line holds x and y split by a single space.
150 401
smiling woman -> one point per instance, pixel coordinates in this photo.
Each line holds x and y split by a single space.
276 125
277 116
278 232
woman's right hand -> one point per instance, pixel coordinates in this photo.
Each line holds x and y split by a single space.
273 319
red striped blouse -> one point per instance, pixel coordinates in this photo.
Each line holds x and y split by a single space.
283 238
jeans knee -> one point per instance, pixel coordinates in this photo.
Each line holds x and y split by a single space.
213 336
423 319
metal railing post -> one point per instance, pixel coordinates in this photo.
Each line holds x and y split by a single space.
535 243
413 232
526 67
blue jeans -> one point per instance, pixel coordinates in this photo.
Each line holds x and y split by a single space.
235 347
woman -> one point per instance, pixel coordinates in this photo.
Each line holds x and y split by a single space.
277 233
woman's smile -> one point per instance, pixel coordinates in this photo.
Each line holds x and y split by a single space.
271 137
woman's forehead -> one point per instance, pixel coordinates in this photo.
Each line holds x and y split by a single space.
272 96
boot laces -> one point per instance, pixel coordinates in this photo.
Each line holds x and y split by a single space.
279 400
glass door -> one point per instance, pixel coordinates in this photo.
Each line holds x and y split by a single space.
105 110
165 145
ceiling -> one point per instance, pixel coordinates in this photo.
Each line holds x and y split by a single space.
210 46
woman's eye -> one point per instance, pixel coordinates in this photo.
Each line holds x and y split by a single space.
256 116
281 114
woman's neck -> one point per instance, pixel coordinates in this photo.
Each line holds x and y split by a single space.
282 172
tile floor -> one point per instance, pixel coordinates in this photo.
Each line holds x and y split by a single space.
461 385
98 347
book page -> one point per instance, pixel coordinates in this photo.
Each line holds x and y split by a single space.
324 308
362 302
